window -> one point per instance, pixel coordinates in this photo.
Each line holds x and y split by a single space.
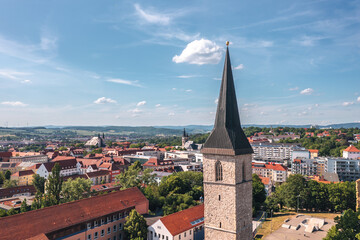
102 232
243 172
219 197
96 235
89 237
102 221
167 238
88 226
220 224
120 236
95 223
120 227
114 237
218 171
114 217
109 230
114 228
120 215
190 232
179 237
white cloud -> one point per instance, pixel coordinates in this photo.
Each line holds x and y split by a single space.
347 103
104 100
308 41
13 75
217 79
187 76
158 105
126 82
239 67
173 89
307 91
14 104
135 110
151 16
142 103
200 52
48 43
358 99
216 101
294 89
188 90
26 81
171 114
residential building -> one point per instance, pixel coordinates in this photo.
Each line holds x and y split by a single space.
67 168
23 178
306 167
300 154
192 166
99 177
351 153
5 166
276 172
184 225
158 175
314 153
268 185
17 191
99 217
274 150
346 169
5 156
34 158
156 164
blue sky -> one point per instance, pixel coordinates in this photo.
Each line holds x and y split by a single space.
160 62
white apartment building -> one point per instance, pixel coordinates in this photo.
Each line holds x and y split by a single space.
67 168
346 169
351 153
276 172
274 150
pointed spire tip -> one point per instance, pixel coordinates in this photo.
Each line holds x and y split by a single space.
227 43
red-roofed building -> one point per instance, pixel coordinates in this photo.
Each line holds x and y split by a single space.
186 224
268 184
276 172
157 164
314 153
351 152
62 158
67 168
23 178
90 218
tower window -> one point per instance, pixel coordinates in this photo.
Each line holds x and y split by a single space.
243 172
220 224
218 171
219 198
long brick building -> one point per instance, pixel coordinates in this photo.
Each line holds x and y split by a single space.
100 217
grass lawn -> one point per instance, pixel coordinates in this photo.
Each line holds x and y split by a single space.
274 223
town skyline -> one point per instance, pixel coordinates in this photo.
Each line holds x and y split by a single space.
140 64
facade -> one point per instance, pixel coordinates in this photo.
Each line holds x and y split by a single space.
314 153
96 141
23 178
306 167
99 177
276 172
346 169
34 159
68 168
99 217
351 153
300 154
157 165
274 150
227 169
184 225
17 191
195 167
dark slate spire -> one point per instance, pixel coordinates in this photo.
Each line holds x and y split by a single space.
184 133
227 137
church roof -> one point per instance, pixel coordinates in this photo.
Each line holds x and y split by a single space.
227 137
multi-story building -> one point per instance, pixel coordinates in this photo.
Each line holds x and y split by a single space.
351 153
276 172
17 191
99 217
156 164
23 178
67 168
314 153
306 167
185 225
300 154
274 150
347 169
34 159
99 177
7 166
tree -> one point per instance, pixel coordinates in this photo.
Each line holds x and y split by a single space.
177 202
129 178
347 227
258 191
3 213
293 190
53 185
39 183
12 211
2 177
75 189
174 184
24 207
7 175
135 226
9 183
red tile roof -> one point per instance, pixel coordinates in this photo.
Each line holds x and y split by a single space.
265 180
98 173
23 173
64 164
62 158
49 219
181 221
9 192
313 150
351 148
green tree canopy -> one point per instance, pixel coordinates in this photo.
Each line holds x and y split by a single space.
54 184
39 183
347 227
9 183
75 189
135 226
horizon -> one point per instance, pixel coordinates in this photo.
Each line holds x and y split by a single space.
159 63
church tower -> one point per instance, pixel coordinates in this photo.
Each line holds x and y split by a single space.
227 169
184 138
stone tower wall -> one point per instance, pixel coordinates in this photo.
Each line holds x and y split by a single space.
228 203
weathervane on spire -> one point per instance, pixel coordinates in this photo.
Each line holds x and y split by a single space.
227 43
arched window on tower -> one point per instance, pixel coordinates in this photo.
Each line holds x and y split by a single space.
243 172
218 171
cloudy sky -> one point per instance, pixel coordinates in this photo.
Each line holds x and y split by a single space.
160 62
